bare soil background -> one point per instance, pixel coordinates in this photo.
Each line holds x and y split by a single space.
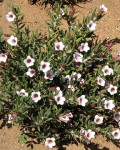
107 28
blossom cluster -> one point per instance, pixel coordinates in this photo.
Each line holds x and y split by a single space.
64 89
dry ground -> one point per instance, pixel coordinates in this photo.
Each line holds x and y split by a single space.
35 16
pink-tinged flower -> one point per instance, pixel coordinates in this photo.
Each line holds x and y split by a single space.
59 99
77 57
89 134
44 66
82 100
117 55
49 75
109 104
98 119
82 81
84 47
10 17
116 134
109 46
62 12
71 87
59 46
100 81
107 71
76 76
117 116
30 72
112 89
35 96
103 9
3 57
22 93
70 115
50 142
66 118
12 41
11 118
29 61
91 25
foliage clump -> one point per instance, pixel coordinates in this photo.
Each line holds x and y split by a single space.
59 86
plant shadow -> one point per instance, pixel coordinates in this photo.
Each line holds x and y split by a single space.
3 124
91 146
62 145
113 41
63 2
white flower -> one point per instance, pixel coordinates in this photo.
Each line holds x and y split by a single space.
50 142
100 81
109 104
77 57
3 57
59 99
67 77
82 100
91 25
30 72
10 16
66 118
12 40
35 96
119 124
89 134
107 71
112 89
82 131
84 47
117 116
49 75
29 61
44 66
76 76
11 118
116 134
82 81
62 12
103 8
98 119
59 46
58 91
22 93
70 115
71 87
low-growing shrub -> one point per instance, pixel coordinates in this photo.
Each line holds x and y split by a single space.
59 86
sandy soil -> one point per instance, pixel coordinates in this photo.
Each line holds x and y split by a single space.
35 16
9 141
